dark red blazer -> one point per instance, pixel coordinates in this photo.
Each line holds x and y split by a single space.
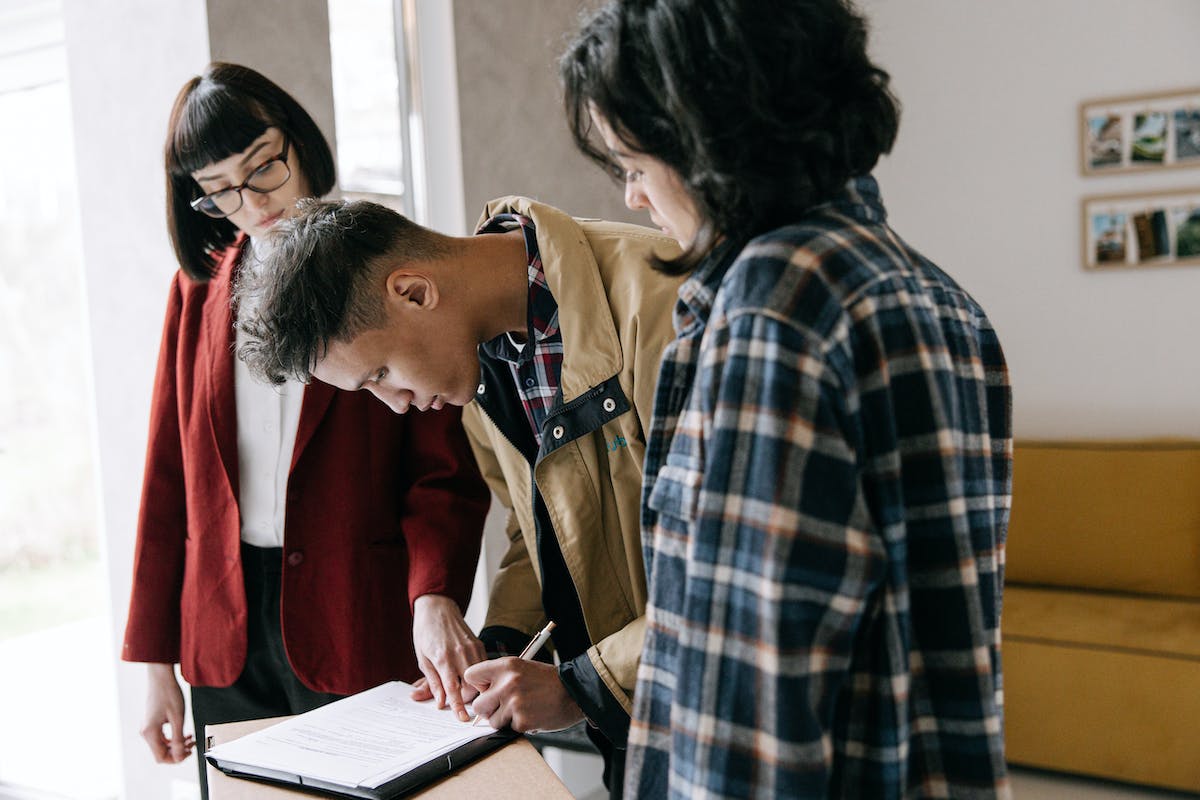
381 509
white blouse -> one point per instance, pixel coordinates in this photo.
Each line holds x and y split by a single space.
267 420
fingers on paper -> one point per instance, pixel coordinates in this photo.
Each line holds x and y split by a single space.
421 691
454 696
436 690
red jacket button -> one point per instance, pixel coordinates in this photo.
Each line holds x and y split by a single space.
295 558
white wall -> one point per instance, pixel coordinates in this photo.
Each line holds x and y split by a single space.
126 60
985 180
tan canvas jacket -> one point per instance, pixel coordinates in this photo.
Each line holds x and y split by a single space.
615 319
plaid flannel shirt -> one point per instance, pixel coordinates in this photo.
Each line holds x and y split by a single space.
828 481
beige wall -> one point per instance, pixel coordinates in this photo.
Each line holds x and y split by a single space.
267 35
985 181
514 133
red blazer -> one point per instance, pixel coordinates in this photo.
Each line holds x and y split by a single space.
381 509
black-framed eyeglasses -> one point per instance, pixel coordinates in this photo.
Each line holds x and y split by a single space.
269 176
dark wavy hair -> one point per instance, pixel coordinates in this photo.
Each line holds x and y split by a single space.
218 114
321 280
764 108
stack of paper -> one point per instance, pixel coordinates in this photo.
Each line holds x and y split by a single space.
376 744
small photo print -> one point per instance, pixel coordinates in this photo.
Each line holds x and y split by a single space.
1150 230
1140 133
1141 230
1187 134
1186 223
1149 137
1105 145
1108 232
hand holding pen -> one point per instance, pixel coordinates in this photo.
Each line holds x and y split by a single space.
483 671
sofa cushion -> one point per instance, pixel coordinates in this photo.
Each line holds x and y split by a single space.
1117 516
1115 714
1102 684
1103 621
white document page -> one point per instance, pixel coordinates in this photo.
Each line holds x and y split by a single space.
362 740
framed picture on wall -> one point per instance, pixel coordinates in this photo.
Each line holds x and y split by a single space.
1142 230
1140 132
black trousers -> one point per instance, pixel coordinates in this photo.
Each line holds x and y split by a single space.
267 686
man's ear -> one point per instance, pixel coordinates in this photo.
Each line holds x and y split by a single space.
412 290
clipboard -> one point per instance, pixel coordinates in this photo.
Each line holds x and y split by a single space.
376 745
402 785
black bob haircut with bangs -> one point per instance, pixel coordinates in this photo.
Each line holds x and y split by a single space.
217 114
764 108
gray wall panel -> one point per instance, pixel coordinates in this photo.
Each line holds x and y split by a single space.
514 132
286 40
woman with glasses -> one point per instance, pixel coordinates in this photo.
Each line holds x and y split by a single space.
296 543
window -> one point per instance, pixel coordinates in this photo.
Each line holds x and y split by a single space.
378 142
54 627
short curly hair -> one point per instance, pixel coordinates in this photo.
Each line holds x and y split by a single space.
321 280
764 108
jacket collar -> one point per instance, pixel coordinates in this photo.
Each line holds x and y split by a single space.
859 199
592 351
219 352
699 291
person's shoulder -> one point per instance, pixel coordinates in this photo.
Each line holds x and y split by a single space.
192 290
601 228
545 217
788 259
819 239
622 242
222 261
820 253
803 276
624 255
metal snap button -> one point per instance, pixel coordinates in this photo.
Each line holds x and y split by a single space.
480 389
558 431
609 404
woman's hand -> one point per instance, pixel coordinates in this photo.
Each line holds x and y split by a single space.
164 706
445 647
528 695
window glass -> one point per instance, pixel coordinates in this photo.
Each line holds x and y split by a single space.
54 624
370 101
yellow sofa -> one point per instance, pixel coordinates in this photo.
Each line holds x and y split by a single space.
1101 616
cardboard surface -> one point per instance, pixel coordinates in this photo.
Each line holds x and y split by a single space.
515 770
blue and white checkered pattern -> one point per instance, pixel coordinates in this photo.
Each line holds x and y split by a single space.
828 482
